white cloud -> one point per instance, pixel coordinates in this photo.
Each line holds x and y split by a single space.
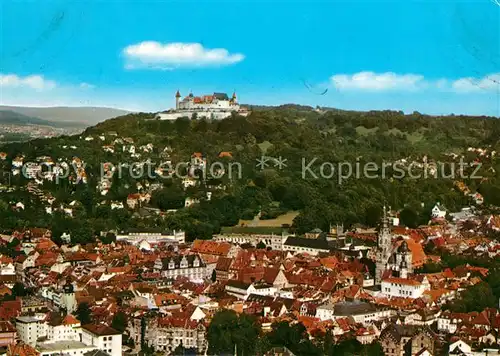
37 82
371 81
470 84
377 82
155 55
86 86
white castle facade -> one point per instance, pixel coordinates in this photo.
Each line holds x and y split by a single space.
215 106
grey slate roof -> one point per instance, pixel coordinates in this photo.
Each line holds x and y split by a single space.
319 243
221 96
353 308
96 353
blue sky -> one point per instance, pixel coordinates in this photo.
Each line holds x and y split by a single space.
435 57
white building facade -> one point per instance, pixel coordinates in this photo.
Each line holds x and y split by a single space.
406 288
103 337
30 328
151 236
274 241
190 266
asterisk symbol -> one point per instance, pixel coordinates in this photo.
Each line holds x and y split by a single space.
280 162
262 163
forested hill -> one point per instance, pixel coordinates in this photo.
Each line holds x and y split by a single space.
294 133
8 117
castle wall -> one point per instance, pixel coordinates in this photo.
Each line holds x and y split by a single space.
200 114
216 105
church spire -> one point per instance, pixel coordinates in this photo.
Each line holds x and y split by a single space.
384 236
385 221
384 247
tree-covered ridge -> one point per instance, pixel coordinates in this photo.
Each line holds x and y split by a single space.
295 133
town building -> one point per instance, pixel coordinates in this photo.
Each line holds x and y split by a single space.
135 236
243 290
63 329
361 312
405 287
312 246
68 300
438 211
396 257
103 338
8 333
30 328
167 333
398 340
275 241
69 347
190 266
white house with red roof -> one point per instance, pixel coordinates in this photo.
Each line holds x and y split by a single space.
405 287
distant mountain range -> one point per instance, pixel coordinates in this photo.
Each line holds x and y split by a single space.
8 117
57 116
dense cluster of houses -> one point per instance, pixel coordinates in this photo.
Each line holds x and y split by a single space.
45 169
350 284
364 284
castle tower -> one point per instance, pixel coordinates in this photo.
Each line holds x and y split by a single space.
177 98
68 299
234 99
384 246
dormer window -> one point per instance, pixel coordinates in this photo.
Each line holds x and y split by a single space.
171 264
196 262
184 262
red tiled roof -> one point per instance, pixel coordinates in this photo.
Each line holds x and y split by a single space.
329 262
223 264
10 309
45 244
6 259
70 320
5 290
21 350
211 247
7 327
179 322
404 281
270 274
100 329
417 252
225 154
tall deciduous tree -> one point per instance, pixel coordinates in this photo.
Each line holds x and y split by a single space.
229 331
83 313
119 322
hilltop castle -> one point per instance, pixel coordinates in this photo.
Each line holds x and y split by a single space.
214 106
